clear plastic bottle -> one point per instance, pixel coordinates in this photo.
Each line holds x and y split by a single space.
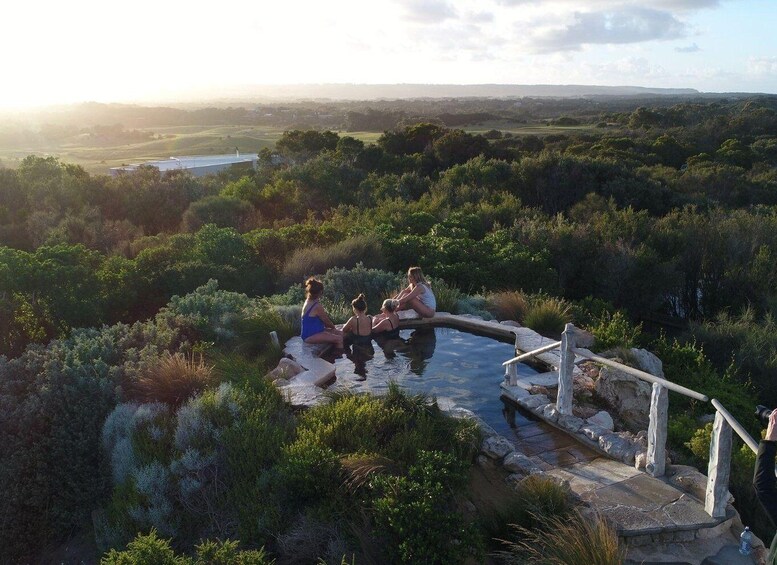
746 542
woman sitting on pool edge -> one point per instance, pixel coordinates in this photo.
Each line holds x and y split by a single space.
316 325
386 324
358 328
418 295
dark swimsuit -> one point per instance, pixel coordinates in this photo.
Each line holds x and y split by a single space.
361 339
393 333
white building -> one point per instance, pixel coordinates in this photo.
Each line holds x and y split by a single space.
197 165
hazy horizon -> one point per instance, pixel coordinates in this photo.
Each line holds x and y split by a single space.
151 52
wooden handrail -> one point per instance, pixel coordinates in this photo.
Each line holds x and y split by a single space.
642 375
522 356
735 425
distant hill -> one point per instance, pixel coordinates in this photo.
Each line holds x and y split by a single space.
400 91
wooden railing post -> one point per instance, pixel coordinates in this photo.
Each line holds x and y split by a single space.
719 469
511 374
657 429
566 366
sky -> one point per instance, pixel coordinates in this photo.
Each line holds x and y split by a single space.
149 51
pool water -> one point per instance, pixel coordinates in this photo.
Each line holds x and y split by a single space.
447 363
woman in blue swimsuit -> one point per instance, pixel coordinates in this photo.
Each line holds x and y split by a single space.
316 325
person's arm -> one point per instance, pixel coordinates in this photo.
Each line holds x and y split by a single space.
404 292
380 325
348 327
321 313
764 480
417 291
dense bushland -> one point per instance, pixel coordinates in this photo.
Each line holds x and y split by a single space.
664 214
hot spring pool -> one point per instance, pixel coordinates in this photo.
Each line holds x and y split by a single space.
463 367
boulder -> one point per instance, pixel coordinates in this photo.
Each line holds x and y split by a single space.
519 463
629 396
532 402
690 480
570 423
648 362
602 419
593 432
496 447
550 413
640 460
618 447
286 369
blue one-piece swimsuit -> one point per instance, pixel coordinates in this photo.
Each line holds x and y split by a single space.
311 325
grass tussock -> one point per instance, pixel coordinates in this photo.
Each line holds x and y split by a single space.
173 379
509 305
447 296
548 316
566 540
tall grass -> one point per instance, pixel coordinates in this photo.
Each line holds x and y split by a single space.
567 540
447 296
312 260
509 305
548 316
173 379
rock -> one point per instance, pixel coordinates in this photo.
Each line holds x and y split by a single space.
690 480
583 383
286 369
602 419
496 447
583 338
533 401
593 432
511 323
570 423
549 412
484 462
617 447
629 396
640 460
281 382
648 362
521 464
537 389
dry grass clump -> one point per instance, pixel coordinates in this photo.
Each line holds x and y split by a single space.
548 316
509 305
173 379
566 540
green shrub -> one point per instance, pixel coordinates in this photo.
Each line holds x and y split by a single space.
416 516
475 306
447 296
542 499
614 330
343 285
150 549
548 316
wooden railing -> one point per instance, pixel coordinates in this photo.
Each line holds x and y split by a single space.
719 468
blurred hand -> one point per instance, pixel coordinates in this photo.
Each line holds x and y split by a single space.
771 429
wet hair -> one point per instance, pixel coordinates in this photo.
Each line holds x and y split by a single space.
390 304
359 303
417 275
313 287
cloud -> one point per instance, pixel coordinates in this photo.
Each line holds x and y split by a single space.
628 25
671 5
427 12
762 65
692 48
630 68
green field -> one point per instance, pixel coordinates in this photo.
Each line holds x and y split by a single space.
203 140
